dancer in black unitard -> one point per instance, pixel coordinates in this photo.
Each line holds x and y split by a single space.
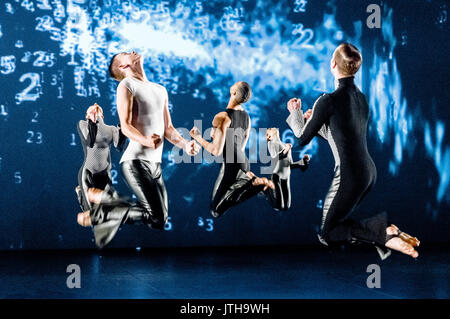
95 174
231 129
342 117
282 163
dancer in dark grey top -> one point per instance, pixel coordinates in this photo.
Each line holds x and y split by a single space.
231 129
342 117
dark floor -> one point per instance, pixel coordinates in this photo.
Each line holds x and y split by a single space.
293 272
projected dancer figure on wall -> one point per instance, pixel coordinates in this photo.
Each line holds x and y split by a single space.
235 183
145 119
94 177
341 117
282 163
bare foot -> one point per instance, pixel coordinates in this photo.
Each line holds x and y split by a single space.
398 244
95 195
263 181
413 241
84 219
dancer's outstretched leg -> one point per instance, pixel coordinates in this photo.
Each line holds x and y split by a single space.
145 179
338 228
106 220
234 186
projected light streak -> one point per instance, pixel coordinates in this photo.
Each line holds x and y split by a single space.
258 57
393 121
440 155
389 107
165 41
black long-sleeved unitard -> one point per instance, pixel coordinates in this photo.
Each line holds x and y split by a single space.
341 118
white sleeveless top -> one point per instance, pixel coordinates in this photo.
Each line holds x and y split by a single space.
148 117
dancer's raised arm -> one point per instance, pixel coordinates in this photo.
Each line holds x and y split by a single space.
305 129
221 123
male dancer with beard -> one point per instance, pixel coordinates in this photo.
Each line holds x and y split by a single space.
145 119
341 117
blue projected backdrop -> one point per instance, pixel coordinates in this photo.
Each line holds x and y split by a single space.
53 64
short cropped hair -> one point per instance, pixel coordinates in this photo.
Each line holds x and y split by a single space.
348 59
243 92
112 69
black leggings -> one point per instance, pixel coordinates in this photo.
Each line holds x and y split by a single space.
145 180
344 195
280 197
232 187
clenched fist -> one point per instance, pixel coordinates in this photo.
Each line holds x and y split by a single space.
94 112
195 133
153 141
192 148
294 104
